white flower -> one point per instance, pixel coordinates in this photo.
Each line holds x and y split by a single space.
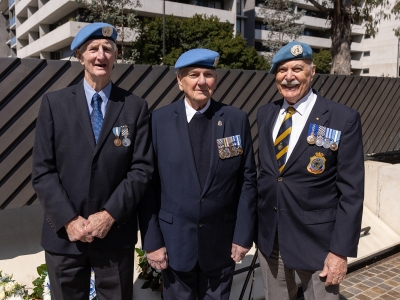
9 287
47 296
46 289
15 297
2 293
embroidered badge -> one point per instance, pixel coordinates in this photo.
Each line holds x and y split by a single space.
296 50
107 31
317 163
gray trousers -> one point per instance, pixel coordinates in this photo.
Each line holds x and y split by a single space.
280 281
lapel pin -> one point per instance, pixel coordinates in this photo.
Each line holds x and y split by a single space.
219 123
317 118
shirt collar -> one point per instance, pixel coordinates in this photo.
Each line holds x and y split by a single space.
302 105
190 111
104 93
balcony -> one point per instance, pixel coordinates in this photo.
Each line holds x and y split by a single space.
13 42
11 3
11 23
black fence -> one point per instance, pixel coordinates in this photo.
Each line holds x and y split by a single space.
24 81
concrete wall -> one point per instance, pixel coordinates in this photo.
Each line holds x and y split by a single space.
382 192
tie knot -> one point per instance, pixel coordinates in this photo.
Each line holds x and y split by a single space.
96 100
290 110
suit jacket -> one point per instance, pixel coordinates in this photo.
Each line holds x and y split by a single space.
194 224
74 176
312 213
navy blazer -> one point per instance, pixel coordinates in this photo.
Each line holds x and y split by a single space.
74 176
200 225
313 213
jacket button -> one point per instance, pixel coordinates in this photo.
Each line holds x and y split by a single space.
202 200
200 225
275 208
280 178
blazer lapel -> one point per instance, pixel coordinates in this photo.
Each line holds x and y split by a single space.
182 128
218 128
270 120
318 115
114 107
82 112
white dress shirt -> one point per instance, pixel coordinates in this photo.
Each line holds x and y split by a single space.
190 111
299 118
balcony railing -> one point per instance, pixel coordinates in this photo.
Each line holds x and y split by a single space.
13 41
12 21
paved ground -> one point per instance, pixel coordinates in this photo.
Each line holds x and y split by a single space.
380 280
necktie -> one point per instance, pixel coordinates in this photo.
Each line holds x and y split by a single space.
96 117
281 143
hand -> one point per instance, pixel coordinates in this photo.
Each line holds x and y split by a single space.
238 252
158 259
335 269
76 230
99 224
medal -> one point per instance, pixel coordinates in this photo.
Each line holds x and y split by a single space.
117 142
327 142
280 146
320 136
311 135
125 133
117 132
126 142
317 163
335 140
239 144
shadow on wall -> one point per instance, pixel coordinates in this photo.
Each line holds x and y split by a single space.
20 231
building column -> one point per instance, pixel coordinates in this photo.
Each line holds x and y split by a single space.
43 29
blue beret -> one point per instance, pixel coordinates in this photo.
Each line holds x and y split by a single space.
198 57
293 50
94 31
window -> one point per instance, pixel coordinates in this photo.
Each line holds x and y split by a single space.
367 53
365 71
367 36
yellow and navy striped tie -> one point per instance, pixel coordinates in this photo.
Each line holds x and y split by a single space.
281 143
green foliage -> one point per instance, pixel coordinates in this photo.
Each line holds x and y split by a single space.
200 31
119 13
39 282
282 21
323 60
152 277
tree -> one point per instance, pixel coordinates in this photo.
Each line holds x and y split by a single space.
342 14
322 59
281 19
119 13
198 31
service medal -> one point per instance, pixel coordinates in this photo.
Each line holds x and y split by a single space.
117 132
240 150
221 153
311 139
317 163
117 142
126 142
333 146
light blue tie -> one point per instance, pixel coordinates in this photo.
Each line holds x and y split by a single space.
96 117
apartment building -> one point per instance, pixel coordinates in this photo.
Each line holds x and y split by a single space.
45 29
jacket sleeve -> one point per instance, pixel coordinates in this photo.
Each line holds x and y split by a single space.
150 231
246 212
45 178
350 185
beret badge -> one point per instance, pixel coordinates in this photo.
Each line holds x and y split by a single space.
296 50
107 31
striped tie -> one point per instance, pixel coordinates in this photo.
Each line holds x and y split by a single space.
282 141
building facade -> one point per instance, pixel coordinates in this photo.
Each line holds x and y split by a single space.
45 28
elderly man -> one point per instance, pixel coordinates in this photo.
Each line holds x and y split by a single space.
92 161
310 184
207 186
